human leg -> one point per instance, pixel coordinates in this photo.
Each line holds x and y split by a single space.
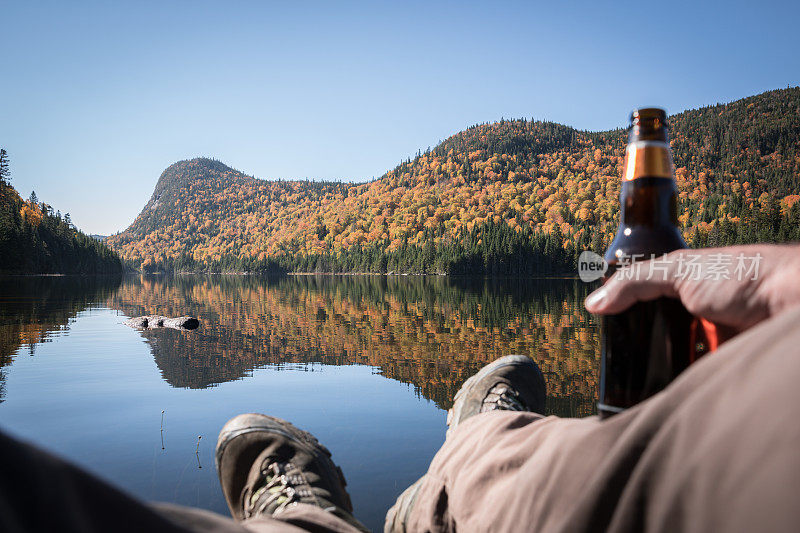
511 383
40 492
716 450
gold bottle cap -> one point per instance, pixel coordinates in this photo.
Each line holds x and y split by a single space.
648 124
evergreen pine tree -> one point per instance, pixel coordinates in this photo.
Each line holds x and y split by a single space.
5 170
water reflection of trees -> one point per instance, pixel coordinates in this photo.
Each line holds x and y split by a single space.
430 332
32 309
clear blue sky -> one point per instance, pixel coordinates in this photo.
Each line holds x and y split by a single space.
97 99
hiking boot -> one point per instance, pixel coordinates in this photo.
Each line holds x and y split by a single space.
511 383
266 465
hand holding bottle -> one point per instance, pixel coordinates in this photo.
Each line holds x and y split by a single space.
737 299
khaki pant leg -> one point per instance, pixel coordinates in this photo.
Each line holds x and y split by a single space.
718 450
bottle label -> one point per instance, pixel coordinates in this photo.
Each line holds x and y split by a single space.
650 159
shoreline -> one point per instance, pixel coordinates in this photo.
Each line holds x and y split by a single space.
332 274
295 274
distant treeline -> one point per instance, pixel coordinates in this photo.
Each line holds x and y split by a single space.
491 249
36 240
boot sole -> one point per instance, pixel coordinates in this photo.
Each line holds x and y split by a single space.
268 424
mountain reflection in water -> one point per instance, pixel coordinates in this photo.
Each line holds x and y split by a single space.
431 332
34 309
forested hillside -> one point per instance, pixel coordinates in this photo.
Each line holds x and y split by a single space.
36 240
512 197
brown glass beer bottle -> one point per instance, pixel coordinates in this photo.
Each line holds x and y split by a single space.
645 347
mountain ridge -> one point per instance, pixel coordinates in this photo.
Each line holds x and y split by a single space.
484 196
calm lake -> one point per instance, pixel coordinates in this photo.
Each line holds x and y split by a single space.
368 364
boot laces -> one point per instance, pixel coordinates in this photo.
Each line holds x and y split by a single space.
503 397
278 491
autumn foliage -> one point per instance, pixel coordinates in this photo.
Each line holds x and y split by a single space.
516 196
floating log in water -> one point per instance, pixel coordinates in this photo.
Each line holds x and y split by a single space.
156 321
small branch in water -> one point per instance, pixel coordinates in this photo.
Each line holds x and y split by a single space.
197 452
162 429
